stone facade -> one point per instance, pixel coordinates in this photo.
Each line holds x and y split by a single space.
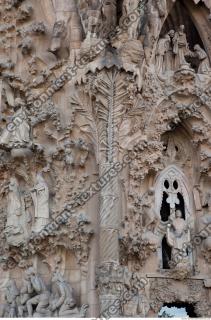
105 157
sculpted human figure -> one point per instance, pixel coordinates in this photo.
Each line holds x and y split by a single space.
178 233
150 219
169 59
180 47
63 10
76 36
58 33
129 7
93 24
64 301
204 64
11 295
162 48
40 197
41 297
15 228
18 130
109 14
25 295
156 10
68 150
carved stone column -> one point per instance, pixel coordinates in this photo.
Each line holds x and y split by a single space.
111 111
110 207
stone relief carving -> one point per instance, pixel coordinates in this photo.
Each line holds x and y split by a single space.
64 302
40 196
35 300
15 229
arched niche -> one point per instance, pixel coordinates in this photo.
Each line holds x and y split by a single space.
195 18
179 15
172 192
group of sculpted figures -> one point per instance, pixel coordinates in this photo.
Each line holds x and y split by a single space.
173 49
16 229
35 299
87 17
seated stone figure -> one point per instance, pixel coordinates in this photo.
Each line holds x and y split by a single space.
41 296
25 295
63 303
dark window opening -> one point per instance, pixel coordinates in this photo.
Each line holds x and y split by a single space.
175 185
166 254
166 184
165 208
181 205
177 309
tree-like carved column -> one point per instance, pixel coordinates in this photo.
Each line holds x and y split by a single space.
103 110
110 100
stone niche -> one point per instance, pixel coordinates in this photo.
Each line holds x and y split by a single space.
105 158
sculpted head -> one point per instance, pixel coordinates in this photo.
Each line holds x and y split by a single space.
197 47
13 182
178 214
171 33
151 191
182 28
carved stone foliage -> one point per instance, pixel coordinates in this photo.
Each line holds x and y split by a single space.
74 236
136 245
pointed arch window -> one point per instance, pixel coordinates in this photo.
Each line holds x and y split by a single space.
172 193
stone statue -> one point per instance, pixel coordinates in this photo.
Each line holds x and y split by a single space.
67 22
25 295
15 228
162 49
129 7
11 296
156 10
149 217
178 233
40 300
63 301
18 131
76 36
68 150
204 64
40 197
180 47
109 14
169 59
57 35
